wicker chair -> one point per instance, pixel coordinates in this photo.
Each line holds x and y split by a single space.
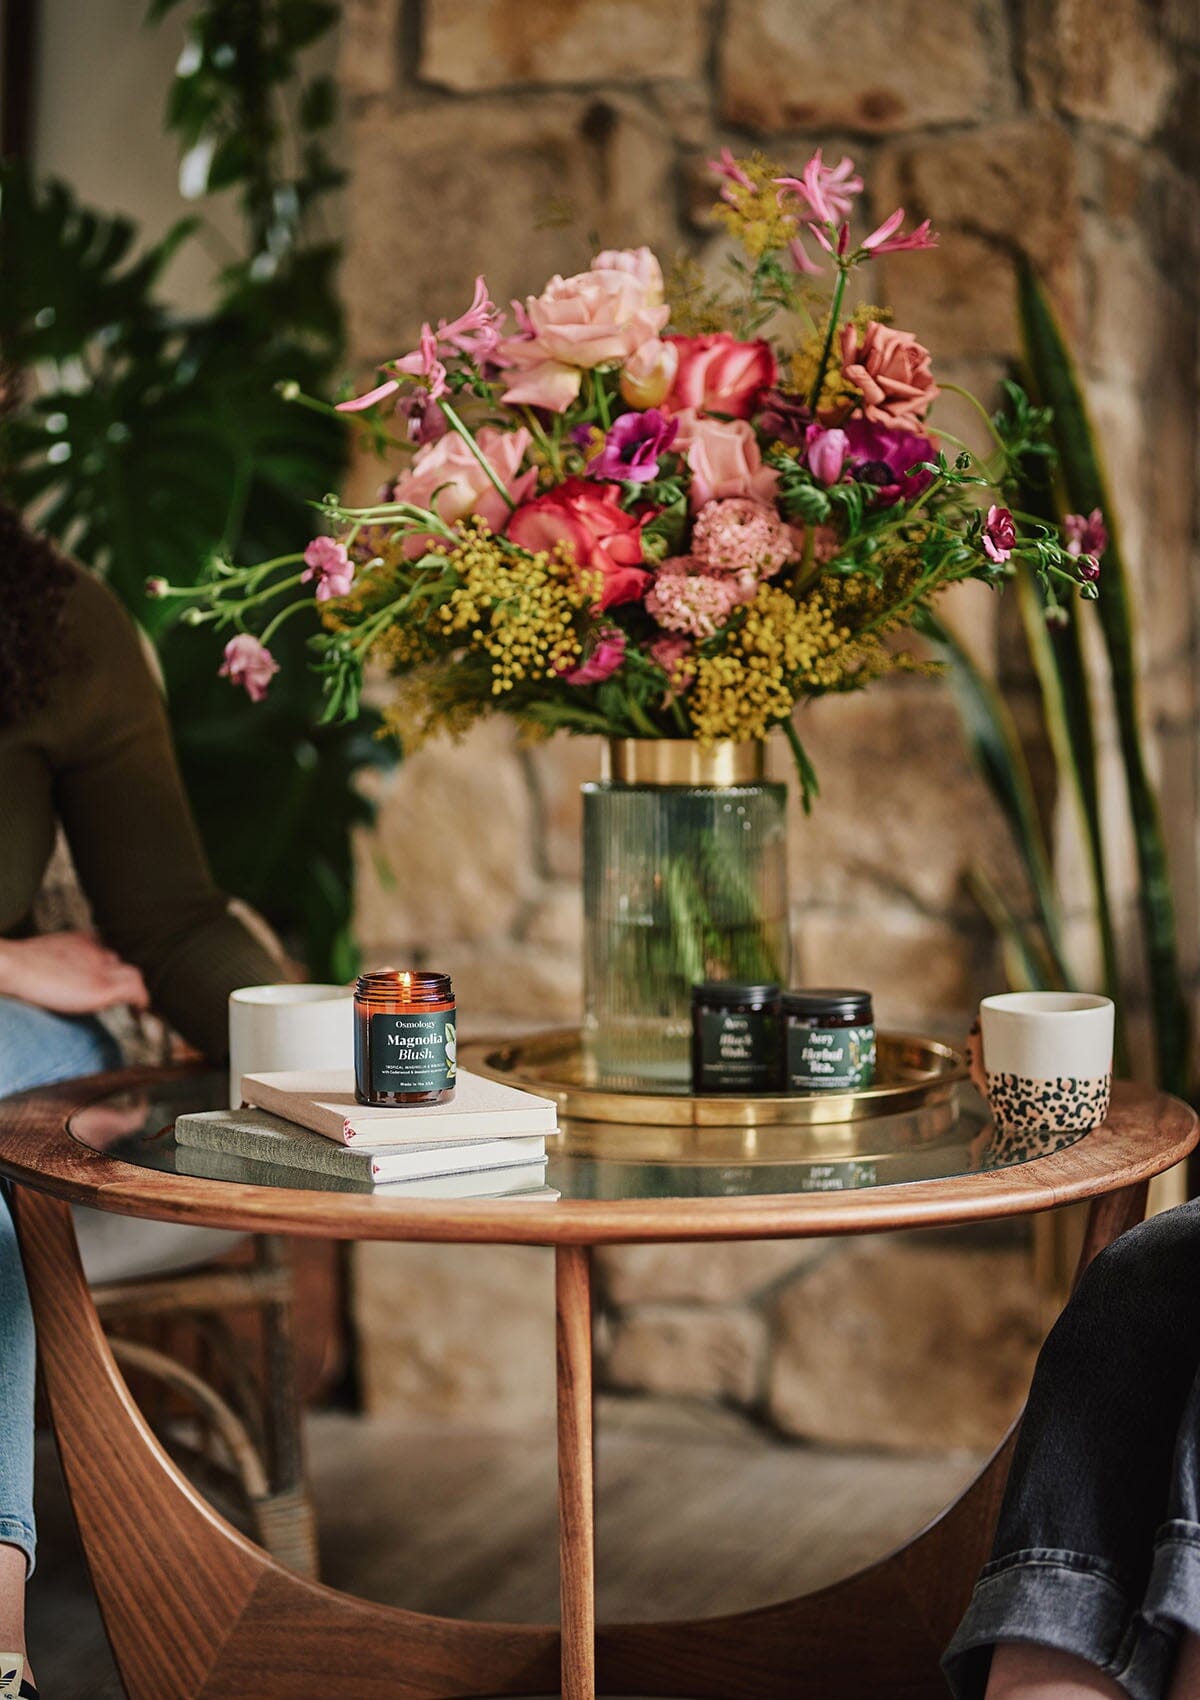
249 1423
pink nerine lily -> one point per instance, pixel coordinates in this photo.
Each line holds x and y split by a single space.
727 167
423 363
828 189
883 241
475 332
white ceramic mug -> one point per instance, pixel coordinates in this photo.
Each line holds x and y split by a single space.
283 1027
1043 1060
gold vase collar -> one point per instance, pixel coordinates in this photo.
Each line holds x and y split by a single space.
683 761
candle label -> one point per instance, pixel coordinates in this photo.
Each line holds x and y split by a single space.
738 1050
413 1052
837 1059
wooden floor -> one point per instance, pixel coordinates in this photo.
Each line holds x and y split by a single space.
697 1514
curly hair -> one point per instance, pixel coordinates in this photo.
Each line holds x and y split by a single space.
34 579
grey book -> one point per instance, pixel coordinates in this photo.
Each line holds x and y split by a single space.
263 1138
518 1182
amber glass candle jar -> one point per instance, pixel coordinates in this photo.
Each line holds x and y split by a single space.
405 1037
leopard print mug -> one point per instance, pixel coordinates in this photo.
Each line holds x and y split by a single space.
1043 1061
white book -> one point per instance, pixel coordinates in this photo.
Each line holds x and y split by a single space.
324 1101
264 1138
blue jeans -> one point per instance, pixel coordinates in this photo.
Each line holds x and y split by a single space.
1097 1551
36 1048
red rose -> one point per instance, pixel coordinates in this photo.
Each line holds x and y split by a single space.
719 374
603 537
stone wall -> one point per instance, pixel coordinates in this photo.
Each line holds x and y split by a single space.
498 136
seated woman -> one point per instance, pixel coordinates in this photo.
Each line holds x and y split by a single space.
1093 1588
84 743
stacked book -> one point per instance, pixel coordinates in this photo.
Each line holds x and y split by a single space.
489 1141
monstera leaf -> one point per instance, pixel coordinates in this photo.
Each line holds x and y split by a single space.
146 443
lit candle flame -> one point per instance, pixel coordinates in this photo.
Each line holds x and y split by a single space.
406 985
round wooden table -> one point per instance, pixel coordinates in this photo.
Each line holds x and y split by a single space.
193 1608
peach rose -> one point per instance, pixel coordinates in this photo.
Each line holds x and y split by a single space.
891 368
446 477
647 376
720 374
725 460
595 318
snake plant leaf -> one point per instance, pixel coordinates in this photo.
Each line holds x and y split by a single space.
1055 383
1027 963
996 752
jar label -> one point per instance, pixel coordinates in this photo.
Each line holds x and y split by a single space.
738 1052
830 1059
413 1052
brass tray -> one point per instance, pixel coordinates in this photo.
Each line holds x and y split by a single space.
913 1073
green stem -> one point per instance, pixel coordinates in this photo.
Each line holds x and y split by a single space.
284 614
456 424
835 309
981 410
640 719
805 772
548 448
601 400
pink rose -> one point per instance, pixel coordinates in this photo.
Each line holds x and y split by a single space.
719 374
638 262
592 319
446 477
725 460
891 369
249 664
602 536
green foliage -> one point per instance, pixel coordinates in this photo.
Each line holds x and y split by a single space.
148 443
1055 383
995 749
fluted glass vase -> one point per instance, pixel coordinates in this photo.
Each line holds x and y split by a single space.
685 880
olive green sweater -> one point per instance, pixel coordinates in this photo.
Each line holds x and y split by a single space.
98 757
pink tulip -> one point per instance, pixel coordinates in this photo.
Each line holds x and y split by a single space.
826 453
248 664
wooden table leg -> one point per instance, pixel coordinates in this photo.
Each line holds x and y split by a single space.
576 1477
193 1610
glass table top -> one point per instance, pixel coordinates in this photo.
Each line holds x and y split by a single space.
591 1160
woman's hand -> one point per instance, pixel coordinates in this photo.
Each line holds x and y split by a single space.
69 973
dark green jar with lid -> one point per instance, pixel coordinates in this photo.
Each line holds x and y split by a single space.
830 1039
737 1038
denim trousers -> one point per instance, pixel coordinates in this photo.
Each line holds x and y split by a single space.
36 1048
1097 1550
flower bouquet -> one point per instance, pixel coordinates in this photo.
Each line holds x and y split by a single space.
656 510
